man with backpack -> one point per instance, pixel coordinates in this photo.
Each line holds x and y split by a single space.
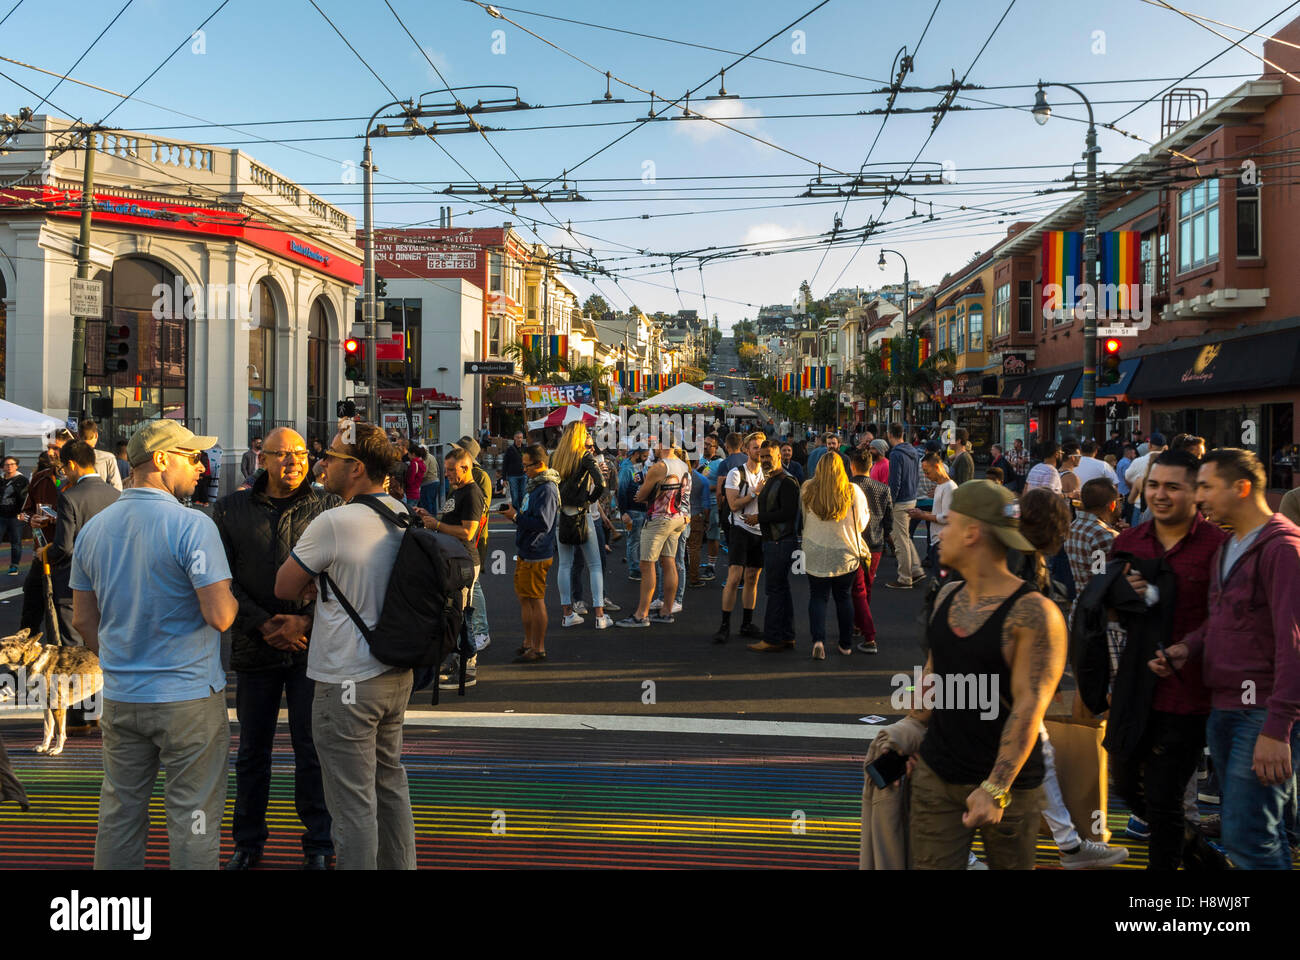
460 517
360 702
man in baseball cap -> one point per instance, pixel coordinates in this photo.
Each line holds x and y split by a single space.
173 452
978 760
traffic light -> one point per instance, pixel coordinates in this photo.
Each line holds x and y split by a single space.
1109 374
117 348
352 354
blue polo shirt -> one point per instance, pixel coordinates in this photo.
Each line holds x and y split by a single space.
143 556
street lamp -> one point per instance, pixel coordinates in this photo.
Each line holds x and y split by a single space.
1042 111
907 330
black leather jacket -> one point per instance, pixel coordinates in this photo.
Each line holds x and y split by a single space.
257 544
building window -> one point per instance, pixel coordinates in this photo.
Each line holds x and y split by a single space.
1198 225
1248 232
494 336
1002 311
976 318
318 367
959 335
261 363
532 301
1025 307
494 273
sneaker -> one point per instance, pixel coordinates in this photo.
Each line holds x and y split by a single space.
1211 825
635 576
632 622
1093 854
572 620
13 570
449 667
1207 797
603 622
579 606
898 585
867 646
656 605
451 681
1137 829
481 642
676 608
662 618
610 606
708 574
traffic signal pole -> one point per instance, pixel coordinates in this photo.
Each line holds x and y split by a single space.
77 367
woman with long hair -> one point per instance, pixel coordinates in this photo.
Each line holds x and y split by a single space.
581 485
835 513
1045 523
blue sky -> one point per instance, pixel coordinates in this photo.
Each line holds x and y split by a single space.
280 60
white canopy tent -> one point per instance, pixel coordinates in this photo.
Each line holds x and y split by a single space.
16 421
681 395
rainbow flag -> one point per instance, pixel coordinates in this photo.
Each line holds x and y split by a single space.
829 379
886 357
1119 262
922 350
1062 267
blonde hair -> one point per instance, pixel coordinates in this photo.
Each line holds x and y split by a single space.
570 450
828 494
758 435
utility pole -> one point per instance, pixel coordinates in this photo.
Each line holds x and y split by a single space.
368 308
77 368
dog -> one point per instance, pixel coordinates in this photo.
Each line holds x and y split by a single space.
57 677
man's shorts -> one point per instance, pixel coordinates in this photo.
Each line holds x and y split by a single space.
744 549
659 537
530 578
712 532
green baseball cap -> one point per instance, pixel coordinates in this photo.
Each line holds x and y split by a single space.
164 435
994 505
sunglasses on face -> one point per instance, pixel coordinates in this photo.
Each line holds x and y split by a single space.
335 455
194 458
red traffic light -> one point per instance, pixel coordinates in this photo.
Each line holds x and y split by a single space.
1112 345
351 346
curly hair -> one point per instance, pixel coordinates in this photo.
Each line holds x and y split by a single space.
1044 520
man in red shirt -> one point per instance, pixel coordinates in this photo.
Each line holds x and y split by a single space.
1155 744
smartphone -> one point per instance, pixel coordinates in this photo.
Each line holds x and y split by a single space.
503 508
887 768
49 511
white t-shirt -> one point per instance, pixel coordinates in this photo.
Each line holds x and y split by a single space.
752 480
356 547
943 500
1090 468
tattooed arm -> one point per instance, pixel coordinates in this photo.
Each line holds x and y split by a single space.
1037 637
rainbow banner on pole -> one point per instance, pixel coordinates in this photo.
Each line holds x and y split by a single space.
1062 268
1119 265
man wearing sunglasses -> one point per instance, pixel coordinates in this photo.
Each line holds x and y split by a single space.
151 596
259 528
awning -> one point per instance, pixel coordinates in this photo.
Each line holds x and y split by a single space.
1248 363
1059 386
1115 391
1024 389
510 395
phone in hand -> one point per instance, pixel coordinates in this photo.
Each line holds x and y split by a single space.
887 768
49 511
503 508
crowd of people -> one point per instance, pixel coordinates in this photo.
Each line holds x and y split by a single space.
1162 561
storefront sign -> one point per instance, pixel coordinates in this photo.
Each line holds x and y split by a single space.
1199 371
492 368
1013 365
557 394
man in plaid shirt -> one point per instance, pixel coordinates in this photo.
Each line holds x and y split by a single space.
1019 458
1091 533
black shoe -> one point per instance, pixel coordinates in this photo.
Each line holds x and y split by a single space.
722 635
751 630
316 861
634 577
244 860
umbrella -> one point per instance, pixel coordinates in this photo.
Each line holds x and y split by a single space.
563 416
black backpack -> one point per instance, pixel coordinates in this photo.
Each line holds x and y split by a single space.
423 618
724 505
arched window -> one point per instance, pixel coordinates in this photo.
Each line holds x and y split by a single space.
261 362
318 373
153 305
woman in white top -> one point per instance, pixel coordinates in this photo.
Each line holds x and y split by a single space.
834 516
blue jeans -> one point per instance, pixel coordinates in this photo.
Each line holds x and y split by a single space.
431 496
13 532
1254 816
257 704
578 578
478 625
681 569
632 539
778 612
819 590
518 486
591 555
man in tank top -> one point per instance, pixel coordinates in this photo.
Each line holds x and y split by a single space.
997 651
666 493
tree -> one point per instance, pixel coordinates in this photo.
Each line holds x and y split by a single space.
595 306
533 365
824 407
593 373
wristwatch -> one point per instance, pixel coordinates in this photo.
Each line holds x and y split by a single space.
1001 796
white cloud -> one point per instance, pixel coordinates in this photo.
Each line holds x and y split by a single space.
438 58
769 232
732 112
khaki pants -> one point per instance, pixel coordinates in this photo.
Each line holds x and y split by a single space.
190 739
909 563
358 733
940 841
